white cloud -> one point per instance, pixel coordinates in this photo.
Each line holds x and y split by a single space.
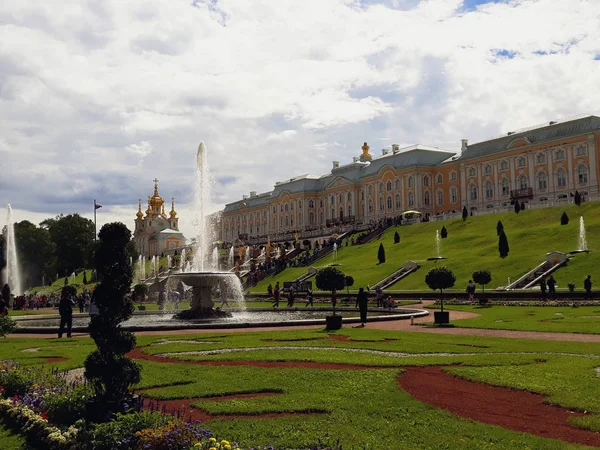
81 84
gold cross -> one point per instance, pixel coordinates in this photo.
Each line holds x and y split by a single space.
155 181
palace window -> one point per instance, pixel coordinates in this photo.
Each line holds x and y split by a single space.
349 196
370 205
311 219
331 200
333 214
321 203
311 204
427 198
397 184
341 197
292 206
560 155
411 182
380 188
292 221
453 176
581 150
582 172
281 208
489 190
540 158
523 182
521 162
505 184
561 178
369 190
488 169
287 221
381 204
440 197
398 203
453 195
300 204
322 217
504 165
349 210
389 202
439 178
472 172
274 210
388 186
426 181
472 192
542 181
280 221
411 199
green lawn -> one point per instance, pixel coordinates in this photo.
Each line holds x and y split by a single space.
473 245
365 409
585 319
9 440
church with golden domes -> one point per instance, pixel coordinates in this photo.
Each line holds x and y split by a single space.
155 232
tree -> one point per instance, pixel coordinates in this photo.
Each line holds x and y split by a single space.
330 279
73 236
503 245
140 291
66 281
396 238
577 198
6 293
564 219
482 277
517 207
443 232
381 254
349 282
440 278
499 228
522 206
85 281
36 253
109 372
465 213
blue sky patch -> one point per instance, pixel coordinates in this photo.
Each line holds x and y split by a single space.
504 53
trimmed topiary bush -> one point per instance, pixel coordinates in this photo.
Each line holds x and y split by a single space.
499 228
440 278
330 279
443 232
564 219
503 245
381 254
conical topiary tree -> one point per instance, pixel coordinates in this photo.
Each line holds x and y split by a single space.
443 232
66 281
109 372
522 206
396 237
465 213
577 198
517 207
499 228
503 245
85 281
381 254
564 219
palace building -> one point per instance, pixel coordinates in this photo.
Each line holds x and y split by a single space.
539 166
155 233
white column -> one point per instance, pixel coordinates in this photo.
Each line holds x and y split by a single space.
569 151
418 190
480 193
593 182
496 182
463 187
550 172
532 185
511 171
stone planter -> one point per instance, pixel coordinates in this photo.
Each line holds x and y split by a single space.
333 322
441 318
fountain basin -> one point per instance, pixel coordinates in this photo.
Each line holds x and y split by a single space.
256 317
436 258
574 252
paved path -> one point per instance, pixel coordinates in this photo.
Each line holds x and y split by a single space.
397 325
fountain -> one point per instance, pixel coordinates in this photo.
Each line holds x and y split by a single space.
335 250
438 243
582 246
203 276
231 257
169 262
12 273
141 268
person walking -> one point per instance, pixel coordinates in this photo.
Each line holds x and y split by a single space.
309 299
551 287
471 290
362 303
65 309
379 297
291 298
270 290
543 288
276 295
587 285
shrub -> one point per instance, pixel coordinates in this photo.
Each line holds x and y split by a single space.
396 238
522 206
13 380
330 279
68 408
443 233
440 278
381 254
517 207
482 277
7 325
465 213
571 287
503 247
499 228
564 219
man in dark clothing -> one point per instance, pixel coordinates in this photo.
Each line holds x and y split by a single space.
362 303
543 288
587 285
276 295
552 287
309 299
65 309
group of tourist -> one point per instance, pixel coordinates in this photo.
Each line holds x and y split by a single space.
549 286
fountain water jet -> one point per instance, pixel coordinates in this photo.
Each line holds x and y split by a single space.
12 272
438 244
582 245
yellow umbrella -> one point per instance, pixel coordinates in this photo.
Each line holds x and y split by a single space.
411 212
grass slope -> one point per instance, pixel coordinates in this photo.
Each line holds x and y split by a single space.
473 245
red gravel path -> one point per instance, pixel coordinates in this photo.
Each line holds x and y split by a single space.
55 359
511 409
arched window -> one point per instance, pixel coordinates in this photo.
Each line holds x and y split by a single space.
505 184
427 198
389 202
561 178
349 210
453 176
523 182
292 206
381 204
311 219
281 208
411 199
472 172
333 214
540 158
380 188
453 195
560 155
287 221
504 165
311 204
388 186
489 190
581 150
439 179
370 205
426 180
341 198
398 203
411 182
349 196
521 162
440 197
280 221
542 181
331 200
488 169
292 221
369 190
321 203
582 173
472 192
397 184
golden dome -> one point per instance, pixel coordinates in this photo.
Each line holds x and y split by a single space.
172 214
139 214
156 200
149 210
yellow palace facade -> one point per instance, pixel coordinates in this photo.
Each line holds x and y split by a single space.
539 166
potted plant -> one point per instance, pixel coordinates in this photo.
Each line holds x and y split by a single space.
331 279
139 294
440 278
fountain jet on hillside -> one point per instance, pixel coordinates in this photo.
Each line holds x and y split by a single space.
438 244
12 272
582 245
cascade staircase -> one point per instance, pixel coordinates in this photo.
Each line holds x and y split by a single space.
305 276
408 268
554 261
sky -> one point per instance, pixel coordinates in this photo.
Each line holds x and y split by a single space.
99 98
